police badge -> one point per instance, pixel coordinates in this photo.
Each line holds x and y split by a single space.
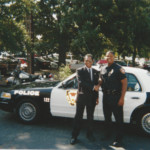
111 72
71 97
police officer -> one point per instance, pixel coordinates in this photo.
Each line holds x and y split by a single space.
114 84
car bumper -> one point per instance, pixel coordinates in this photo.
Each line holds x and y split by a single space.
6 106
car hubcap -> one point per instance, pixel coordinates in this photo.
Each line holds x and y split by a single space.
146 122
27 111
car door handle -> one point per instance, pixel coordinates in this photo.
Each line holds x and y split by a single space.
135 97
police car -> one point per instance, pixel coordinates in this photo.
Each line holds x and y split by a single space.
57 98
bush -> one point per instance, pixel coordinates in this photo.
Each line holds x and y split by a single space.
64 72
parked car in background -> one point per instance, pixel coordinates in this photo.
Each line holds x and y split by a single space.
70 60
52 58
101 62
53 63
7 65
23 61
146 65
4 54
40 63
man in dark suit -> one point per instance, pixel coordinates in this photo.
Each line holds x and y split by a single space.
87 96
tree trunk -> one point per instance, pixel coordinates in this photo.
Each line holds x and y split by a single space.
124 57
62 52
134 55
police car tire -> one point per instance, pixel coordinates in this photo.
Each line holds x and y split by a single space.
28 111
144 122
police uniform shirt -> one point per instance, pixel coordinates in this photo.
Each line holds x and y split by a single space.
112 76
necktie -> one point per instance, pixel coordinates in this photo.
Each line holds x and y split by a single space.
90 74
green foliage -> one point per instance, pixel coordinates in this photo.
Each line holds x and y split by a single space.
64 72
13 35
80 26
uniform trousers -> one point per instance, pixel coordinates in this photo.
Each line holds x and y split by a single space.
78 119
110 105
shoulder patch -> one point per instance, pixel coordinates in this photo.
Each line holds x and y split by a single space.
122 70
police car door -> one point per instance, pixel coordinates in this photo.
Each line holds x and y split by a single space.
62 101
134 96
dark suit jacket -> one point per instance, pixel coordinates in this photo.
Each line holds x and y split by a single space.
86 95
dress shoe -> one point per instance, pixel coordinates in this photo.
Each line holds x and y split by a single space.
90 138
73 140
117 143
106 137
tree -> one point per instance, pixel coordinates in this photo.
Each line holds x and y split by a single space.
13 35
54 37
87 36
127 25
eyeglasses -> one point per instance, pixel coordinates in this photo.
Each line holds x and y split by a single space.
88 61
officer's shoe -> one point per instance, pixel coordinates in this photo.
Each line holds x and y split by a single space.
117 143
106 137
90 137
73 140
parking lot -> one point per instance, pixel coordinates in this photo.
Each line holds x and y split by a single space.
55 133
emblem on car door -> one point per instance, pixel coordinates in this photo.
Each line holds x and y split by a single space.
71 97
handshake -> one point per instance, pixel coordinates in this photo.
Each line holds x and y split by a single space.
96 87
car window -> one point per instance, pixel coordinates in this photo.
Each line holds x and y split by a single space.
72 83
133 83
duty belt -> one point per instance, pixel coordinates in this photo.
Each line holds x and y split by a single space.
113 92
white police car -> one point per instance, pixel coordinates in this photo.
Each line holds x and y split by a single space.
30 101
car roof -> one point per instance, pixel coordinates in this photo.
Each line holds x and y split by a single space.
135 70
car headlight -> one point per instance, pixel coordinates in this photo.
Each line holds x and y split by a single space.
6 95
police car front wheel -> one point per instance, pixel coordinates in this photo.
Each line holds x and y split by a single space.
28 111
144 122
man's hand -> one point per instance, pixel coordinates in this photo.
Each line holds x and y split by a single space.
97 101
121 102
96 87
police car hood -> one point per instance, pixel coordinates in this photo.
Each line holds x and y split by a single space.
35 85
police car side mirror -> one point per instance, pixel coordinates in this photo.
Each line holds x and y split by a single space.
64 85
